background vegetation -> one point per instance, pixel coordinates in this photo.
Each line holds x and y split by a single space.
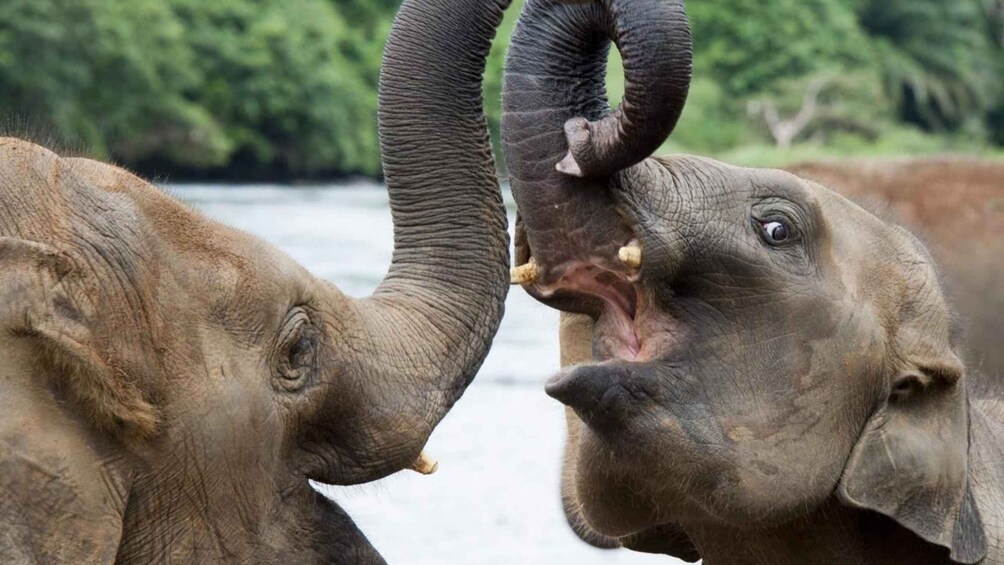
256 89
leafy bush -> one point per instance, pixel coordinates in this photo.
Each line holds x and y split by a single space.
711 123
287 88
937 62
288 82
746 45
111 76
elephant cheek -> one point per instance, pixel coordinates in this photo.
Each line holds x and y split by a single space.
647 474
612 502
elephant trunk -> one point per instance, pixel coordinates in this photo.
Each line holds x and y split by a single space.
427 327
654 39
563 142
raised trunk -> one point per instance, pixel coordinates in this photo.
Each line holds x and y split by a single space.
427 328
563 142
654 40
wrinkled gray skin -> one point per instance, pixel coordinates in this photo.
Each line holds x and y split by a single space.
956 204
747 398
168 385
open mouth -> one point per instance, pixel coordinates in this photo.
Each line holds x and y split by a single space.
615 334
640 334
628 327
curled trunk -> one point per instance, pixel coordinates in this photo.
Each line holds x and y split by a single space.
563 142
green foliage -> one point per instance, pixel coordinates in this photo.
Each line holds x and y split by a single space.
930 63
710 122
289 81
287 88
995 124
111 76
939 64
267 86
994 13
746 45
493 74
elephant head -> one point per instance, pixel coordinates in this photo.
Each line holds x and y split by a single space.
779 357
169 385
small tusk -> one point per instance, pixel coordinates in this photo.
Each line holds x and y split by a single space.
425 464
569 166
524 274
630 256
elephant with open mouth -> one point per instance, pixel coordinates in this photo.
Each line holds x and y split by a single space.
168 385
757 370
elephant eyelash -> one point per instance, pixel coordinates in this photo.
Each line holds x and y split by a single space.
906 387
300 352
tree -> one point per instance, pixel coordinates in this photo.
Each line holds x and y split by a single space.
746 45
821 104
287 88
108 76
994 10
286 81
937 62
786 130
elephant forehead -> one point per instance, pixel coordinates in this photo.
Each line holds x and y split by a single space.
142 256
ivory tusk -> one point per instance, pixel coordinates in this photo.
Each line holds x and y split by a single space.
425 464
569 165
524 274
630 256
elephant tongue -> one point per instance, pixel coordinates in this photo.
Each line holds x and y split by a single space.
641 333
614 336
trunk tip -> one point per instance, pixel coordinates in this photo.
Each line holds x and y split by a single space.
579 143
568 166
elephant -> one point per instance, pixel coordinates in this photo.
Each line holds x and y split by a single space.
935 197
169 385
756 370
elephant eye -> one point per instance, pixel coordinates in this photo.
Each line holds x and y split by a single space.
296 354
776 232
301 353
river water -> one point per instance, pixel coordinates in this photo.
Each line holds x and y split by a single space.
495 497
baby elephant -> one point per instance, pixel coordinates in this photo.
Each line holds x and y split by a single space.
169 386
774 373
783 386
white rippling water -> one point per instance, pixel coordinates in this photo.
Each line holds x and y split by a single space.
495 497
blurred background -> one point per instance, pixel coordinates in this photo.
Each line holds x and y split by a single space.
270 107
246 90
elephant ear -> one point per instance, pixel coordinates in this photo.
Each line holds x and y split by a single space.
43 300
911 461
62 475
